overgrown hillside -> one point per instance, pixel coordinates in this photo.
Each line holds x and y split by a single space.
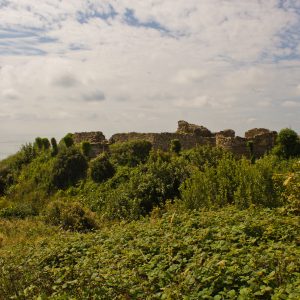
174 254
135 223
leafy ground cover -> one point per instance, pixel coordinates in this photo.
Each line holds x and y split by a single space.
172 254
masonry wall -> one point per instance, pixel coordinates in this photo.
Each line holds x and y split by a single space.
162 140
190 136
92 137
236 145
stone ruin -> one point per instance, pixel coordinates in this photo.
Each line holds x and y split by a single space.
190 135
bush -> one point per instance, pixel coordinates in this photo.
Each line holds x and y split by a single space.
69 166
288 143
68 140
291 189
38 143
130 153
86 148
70 216
155 182
20 212
54 147
232 182
175 146
46 143
101 168
202 156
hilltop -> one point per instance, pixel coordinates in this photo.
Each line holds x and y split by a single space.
140 221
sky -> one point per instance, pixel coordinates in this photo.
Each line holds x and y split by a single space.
132 65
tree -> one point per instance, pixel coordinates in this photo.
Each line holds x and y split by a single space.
288 143
70 166
54 147
68 140
130 153
39 143
175 146
101 168
86 148
45 143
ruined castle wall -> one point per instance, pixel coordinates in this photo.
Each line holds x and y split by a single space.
252 133
92 137
162 140
263 143
131 136
237 145
187 141
189 135
226 133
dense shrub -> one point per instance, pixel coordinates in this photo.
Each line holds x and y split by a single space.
23 157
86 148
202 156
54 147
232 181
290 183
288 143
211 186
67 140
19 211
227 254
70 216
175 146
69 166
38 143
101 168
130 153
46 143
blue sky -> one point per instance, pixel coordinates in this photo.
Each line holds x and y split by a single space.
123 65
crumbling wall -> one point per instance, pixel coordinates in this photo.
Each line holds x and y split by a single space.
250 134
187 128
187 141
263 143
162 140
236 145
189 135
92 137
226 133
131 136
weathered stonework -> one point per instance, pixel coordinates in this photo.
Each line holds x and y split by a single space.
237 145
189 135
185 127
97 140
91 137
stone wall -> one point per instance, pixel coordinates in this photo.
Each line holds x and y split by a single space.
92 137
250 134
236 145
163 140
131 136
187 141
187 128
263 143
189 135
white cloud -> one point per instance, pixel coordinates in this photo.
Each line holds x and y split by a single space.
213 61
291 104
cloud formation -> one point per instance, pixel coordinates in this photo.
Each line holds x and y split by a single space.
120 65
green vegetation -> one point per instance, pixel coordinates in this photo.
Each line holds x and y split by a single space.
136 223
288 143
175 146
